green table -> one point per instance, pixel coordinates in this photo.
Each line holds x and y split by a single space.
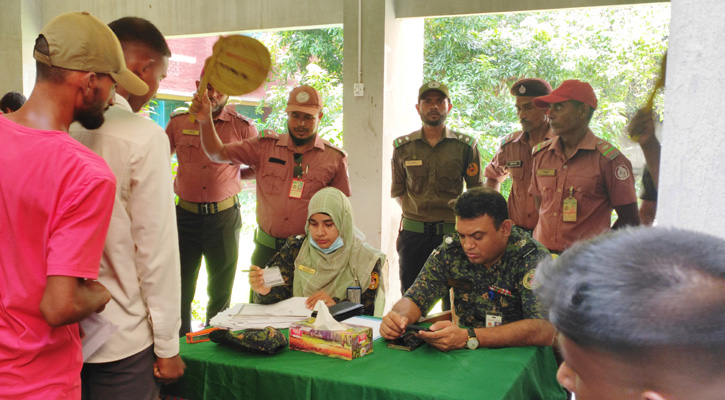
216 372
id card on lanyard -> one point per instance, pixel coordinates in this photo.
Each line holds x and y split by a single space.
295 191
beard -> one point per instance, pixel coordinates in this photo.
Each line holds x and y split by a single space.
434 122
301 141
91 115
217 107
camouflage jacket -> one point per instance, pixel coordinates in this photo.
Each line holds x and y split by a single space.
285 260
504 288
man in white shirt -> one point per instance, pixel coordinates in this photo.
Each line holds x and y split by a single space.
140 264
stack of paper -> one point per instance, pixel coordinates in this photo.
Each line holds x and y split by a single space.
279 315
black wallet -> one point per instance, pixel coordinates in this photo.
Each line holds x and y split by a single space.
344 310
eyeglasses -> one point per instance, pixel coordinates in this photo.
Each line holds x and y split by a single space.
297 171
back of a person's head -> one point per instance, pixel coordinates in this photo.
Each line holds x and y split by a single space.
141 31
12 101
477 202
639 291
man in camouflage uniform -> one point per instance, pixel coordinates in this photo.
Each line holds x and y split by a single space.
489 264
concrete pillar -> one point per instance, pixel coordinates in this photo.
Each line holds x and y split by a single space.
20 23
392 70
691 189
11 53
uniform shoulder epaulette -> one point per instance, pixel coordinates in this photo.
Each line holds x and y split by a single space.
467 139
340 149
542 145
508 138
403 139
607 149
268 134
178 112
238 115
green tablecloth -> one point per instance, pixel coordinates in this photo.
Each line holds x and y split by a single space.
216 372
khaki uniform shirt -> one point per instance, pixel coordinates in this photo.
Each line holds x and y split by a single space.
597 175
514 158
272 157
427 178
198 179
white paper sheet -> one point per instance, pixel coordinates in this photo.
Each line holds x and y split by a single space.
279 315
97 330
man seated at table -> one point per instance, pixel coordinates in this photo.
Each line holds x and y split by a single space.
641 315
489 264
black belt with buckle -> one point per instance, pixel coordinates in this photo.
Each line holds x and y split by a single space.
208 208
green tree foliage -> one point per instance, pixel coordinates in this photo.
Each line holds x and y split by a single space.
309 57
617 50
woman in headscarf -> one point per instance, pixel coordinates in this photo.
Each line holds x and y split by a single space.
328 260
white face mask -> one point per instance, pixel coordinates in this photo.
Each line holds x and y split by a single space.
334 246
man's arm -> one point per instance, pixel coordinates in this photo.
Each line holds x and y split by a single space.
446 336
210 142
341 180
642 128
67 300
493 184
404 312
154 232
647 212
627 215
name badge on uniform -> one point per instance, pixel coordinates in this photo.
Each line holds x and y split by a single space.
513 164
545 172
306 269
493 319
413 163
569 212
295 191
192 132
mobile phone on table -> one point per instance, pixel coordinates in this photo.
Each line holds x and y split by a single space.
407 342
416 328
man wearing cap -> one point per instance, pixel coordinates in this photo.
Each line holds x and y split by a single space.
514 156
140 266
57 208
578 177
208 210
429 168
290 168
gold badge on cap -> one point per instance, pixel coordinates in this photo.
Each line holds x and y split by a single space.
522 89
302 97
434 85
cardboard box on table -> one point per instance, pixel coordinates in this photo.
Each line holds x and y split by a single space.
353 342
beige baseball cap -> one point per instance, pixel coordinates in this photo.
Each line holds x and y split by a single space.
304 99
81 42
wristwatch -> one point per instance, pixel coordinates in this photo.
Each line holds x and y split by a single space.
472 342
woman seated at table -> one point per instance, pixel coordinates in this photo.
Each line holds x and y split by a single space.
322 264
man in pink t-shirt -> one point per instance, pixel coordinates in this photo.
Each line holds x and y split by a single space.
56 198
